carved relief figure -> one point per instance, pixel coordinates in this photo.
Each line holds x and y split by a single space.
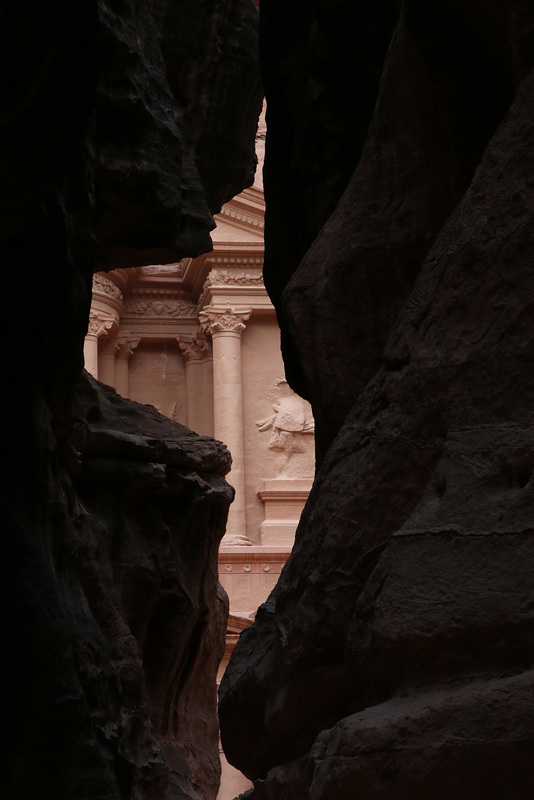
291 419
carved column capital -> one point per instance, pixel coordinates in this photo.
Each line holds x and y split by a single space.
99 325
126 345
228 320
109 346
194 348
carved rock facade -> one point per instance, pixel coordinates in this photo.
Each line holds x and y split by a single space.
394 659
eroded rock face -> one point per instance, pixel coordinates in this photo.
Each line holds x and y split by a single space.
394 657
111 514
122 614
177 104
153 495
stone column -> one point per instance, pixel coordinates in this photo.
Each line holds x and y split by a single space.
207 377
226 327
194 350
99 325
106 360
126 347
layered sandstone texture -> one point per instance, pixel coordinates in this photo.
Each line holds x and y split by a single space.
394 659
111 514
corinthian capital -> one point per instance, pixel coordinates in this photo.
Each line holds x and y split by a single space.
215 320
196 347
127 345
99 325
109 346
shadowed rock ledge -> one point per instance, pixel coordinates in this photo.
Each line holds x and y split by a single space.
394 659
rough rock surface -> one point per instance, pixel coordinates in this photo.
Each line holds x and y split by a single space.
177 103
127 623
394 658
111 515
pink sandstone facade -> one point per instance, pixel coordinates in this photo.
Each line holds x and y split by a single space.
199 341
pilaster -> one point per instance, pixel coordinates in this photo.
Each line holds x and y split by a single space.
127 345
99 325
196 351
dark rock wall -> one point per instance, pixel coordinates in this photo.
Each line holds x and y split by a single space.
178 99
394 658
111 515
117 615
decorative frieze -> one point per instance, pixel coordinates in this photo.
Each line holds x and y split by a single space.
233 278
102 284
170 309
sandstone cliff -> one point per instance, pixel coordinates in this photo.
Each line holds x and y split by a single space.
111 515
394 659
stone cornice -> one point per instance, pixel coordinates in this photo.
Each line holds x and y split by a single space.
283 494
253 554
162 291
242 216
244 255
229 278
246 210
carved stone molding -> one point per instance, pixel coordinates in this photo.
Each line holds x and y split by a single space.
224 260
228 277
241 216
194 348
228 320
